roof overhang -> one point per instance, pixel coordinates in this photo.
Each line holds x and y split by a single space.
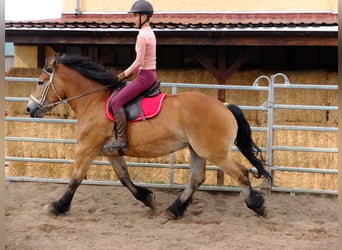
220 29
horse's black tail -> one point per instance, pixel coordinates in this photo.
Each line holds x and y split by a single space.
245 143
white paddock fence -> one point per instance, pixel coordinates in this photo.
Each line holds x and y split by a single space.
270 106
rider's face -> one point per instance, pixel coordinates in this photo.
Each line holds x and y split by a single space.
137 20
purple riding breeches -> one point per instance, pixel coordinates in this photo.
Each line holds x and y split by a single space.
144 80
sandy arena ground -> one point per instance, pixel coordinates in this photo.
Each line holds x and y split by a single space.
108 217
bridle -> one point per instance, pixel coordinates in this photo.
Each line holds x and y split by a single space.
49 84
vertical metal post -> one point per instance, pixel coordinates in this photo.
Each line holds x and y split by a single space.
172 155
270 120
172 169
270 123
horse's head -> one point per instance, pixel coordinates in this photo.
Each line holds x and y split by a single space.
52 89
47 94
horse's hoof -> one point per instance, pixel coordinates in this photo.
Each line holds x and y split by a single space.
170 215
50 210
261 211
256 202
151 201
151 213
166 217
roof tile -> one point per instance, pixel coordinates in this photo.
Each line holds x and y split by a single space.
184 21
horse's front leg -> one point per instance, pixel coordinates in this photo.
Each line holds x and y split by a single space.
143 194
83 158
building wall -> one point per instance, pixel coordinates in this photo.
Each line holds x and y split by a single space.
204 5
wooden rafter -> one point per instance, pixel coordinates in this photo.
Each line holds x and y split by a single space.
222 73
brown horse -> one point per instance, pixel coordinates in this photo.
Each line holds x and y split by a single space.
203 124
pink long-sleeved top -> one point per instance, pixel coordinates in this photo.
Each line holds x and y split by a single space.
146 52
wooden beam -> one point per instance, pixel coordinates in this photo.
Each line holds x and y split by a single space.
41 56
190 37
205 62
249 40
239 62
173 39
221 63
222 73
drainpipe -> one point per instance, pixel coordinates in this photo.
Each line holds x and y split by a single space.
77 9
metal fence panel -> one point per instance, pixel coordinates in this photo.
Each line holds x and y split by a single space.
269 106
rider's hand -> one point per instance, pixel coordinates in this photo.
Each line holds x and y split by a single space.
121 76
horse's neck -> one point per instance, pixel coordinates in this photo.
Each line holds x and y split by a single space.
83 92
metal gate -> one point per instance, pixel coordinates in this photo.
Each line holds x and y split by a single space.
270 106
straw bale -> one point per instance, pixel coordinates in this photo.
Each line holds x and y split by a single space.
43 150
306 180
97 172
305 138
305 159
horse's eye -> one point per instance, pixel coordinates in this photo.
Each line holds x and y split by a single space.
40 82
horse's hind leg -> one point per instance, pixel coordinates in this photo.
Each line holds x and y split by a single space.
143 194
196 178
253 199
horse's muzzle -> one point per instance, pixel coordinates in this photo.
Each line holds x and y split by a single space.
34 109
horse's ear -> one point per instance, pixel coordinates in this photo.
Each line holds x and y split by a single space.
59 54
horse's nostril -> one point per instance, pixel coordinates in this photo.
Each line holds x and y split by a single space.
28 109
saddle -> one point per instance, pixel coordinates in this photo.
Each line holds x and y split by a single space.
146 105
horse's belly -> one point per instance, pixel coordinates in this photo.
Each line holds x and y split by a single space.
154 150
156 137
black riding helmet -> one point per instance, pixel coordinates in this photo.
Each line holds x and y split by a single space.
142 7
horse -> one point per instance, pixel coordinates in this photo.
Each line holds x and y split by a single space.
193 120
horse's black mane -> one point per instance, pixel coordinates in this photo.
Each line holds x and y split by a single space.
90 70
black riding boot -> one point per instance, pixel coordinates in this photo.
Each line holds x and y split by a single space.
121 132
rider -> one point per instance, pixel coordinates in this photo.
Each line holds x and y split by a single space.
145 67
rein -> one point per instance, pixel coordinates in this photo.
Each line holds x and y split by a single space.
61 100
